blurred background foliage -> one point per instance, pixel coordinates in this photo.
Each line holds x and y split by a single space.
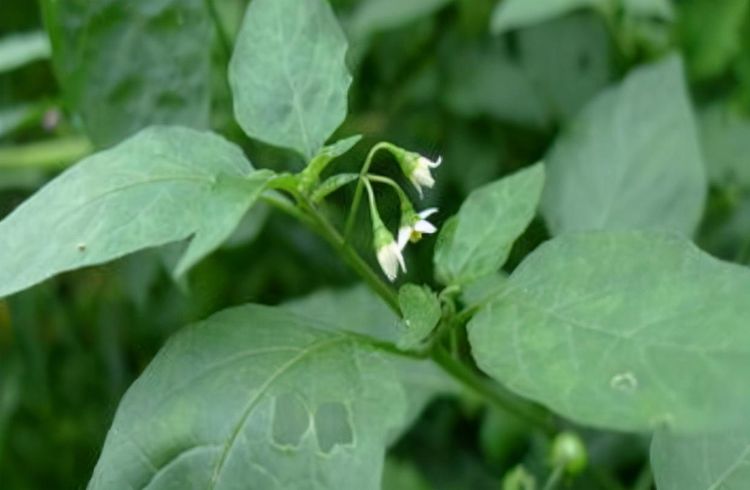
438 76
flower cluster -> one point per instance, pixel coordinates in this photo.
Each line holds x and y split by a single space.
389 250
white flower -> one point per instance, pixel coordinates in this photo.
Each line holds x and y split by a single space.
390 258
414 226
418 170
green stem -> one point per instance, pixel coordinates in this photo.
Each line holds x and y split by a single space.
224 41
281 203
492 393
330 234
391 183
358 192
554 478
51 154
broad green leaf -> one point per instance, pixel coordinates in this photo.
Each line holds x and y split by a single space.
288 74
488 223
421 310
358 310
378 15
18 50
711 33
255 396
701 462
512 14
568 60
483 79
623 330
162 185
127 65
725 134
631 160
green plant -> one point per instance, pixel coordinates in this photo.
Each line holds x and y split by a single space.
618 322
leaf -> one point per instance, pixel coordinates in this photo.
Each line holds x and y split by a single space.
488 223
513 14
421 310
623 330
255 394
372 16
483 79
711 33
358 310
631 160
325 155
705 462
567 74
18 50
288 74
162 185
725 135
124 66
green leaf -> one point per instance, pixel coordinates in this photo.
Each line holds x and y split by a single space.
483 79
372 16
288 74
162 185
725 134
623 330
18 50
711 33
324 156
716 461
255 394
631 160
513 14
421 310
127 65
358 310
567 74
488 223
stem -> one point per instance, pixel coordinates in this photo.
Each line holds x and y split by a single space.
281 203
358 192
50 154
500 399
554 478
224 41
327 231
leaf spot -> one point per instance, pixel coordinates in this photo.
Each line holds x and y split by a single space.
625 382
332 426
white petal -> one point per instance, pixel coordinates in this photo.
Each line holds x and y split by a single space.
388 262
427 212
390 258
423 226
400 258
403 236
422 176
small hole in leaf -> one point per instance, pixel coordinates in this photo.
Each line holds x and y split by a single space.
290 420
625 382
332 426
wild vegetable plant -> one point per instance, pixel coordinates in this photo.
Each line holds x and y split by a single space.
616 323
